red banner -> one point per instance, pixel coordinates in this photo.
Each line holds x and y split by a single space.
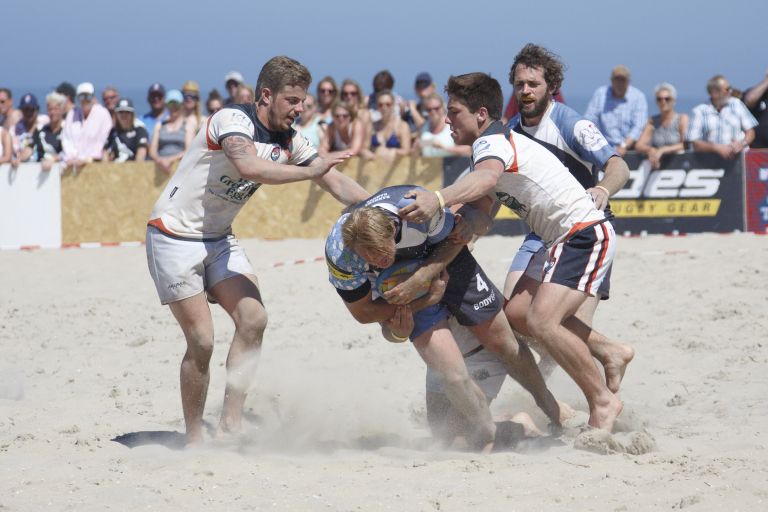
756 190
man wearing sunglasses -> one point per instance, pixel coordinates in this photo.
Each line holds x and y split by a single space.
86 128
157 111
536 77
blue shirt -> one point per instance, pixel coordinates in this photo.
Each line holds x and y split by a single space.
722 127
150 121
618 118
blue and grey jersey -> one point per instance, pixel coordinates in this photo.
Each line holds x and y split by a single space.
350 274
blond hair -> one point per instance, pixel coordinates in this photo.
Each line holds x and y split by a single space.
367 228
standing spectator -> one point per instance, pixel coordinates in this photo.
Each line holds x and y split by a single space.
435 139
232 81
619 110
390 134
85 129
245 95
415 114
25 130
127 140
171 138
345 133
157 112
327 94
68 90
48 138
191 92
724 125
9 116
6 146
664 133
756 100
214 103
308 123
110 96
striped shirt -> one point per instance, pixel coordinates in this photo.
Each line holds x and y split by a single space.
618 118
722 127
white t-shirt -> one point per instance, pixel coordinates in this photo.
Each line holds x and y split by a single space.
535 184
205 194
444 138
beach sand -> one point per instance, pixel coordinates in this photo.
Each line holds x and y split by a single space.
90 415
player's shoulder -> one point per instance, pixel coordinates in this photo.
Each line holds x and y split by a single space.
495 137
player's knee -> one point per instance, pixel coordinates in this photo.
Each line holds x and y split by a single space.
540 325
516 318
251 327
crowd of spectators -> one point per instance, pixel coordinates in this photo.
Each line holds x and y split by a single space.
78 129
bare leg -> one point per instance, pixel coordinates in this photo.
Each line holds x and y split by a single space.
240 297
439 350
496 336
194 317
552 304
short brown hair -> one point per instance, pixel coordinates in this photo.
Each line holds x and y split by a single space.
367 227
477 90
280 72
534 56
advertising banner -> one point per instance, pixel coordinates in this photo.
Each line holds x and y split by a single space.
756 190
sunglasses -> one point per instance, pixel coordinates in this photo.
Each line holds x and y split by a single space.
341 116
434 109
349 93
663 98
84 97
327 91
194 97
153 97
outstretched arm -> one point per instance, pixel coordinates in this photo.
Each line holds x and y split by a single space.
346 190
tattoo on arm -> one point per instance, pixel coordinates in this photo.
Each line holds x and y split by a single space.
236 147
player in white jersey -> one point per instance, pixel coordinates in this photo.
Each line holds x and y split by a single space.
527 178
536 76
190 246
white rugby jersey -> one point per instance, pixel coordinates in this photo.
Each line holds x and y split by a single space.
205 194
535 184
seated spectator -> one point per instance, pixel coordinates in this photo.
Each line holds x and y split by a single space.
390 134
68 90
619 111
327 94
171 137
232 81
308 123
9 116
214 103
85 129
128 140
157 112
245 94
24 132
756 100
724 125
110 96
6 146
435 139
664 133
345 133
48 138
191 92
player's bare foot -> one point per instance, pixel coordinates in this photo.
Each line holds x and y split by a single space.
228 427
566 411
604 412
529 427
615 364
194 438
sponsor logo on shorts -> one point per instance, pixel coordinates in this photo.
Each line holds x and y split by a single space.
481 374
176 286
486 301
275 153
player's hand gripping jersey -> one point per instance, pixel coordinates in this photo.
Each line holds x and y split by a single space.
205 194
535 185
350 274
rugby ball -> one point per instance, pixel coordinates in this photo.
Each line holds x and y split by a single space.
396 274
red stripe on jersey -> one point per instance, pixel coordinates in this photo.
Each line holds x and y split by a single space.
513 166
211 145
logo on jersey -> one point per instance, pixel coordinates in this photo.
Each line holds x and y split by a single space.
238 190
589 136
513 204
275 153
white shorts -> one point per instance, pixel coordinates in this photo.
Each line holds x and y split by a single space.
183 267
483 366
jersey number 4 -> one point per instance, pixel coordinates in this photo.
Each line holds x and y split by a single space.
481 285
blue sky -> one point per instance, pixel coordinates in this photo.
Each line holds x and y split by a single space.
134 44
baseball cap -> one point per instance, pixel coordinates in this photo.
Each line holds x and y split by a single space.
156 88
174 95
190 86
85 88
620 70
423 79
28 100
124 105
234 75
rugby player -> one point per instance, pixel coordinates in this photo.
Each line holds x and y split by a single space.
372 237
536 76
530 180
190 246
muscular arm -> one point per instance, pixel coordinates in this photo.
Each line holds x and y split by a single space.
242 153
343 188
755 93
